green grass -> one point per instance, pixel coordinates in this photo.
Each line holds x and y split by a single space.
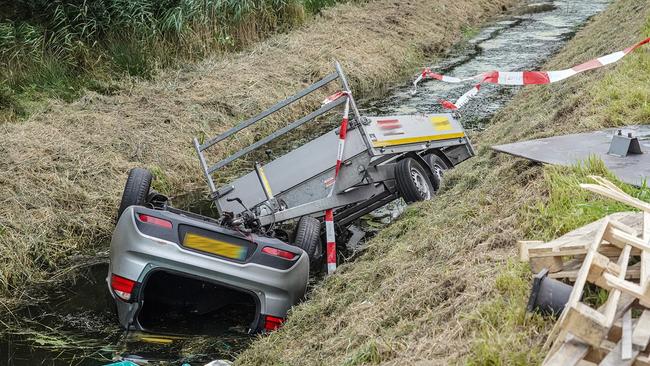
504 326
369 354
59 49
569 206
470 32
160 181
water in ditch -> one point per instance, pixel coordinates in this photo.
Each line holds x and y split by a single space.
71 323
513 43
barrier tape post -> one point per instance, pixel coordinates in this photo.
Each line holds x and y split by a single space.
330 233
521 77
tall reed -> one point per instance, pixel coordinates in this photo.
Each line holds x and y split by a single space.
58 47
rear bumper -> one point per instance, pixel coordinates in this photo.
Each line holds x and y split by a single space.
135 255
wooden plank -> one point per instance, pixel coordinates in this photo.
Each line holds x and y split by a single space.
599 265
632 273
596 354
586 363
629 288
621 238
553 264
621 197
607 183
645 255
614 358
641 334
626 336
569 354
642 360
611 305
578 241
585 323
581 280
524 245
606 249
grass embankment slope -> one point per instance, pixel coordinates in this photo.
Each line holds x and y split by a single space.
441 285
62 171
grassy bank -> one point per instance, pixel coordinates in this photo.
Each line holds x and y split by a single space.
58 49
440 286
62 170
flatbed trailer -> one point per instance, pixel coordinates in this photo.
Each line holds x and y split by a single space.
299 183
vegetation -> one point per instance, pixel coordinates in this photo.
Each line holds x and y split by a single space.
65 167
503 325
569 206
440 284
58 48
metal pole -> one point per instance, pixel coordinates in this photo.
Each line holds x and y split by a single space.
208 176
346 86
353 104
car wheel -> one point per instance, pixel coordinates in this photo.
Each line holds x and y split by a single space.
438 167
413 181
136 189
307 237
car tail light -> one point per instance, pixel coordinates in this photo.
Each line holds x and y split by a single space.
155 221
278 253
272 323
122 287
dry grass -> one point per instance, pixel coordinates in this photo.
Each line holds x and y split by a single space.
62 171
437 287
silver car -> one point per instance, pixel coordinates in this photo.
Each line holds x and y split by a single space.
164 261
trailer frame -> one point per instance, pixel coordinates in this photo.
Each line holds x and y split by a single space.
367 176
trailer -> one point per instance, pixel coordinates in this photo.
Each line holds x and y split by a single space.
384 158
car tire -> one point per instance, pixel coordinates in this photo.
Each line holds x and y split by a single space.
136 189
413 182
307 238
437 167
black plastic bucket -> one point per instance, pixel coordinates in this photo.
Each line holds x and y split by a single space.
548 296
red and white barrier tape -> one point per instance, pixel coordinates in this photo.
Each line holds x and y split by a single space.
330 233
521 77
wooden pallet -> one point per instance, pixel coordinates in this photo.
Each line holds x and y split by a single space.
564 256
609 335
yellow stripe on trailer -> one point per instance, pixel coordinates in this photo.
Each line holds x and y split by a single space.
413 140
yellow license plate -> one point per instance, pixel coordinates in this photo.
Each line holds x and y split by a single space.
214 246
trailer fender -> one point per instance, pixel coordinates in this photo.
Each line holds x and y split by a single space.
441 154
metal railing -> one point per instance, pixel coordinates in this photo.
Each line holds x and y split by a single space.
208 170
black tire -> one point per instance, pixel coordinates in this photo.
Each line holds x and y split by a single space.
437 167
307 237
413 182
136 189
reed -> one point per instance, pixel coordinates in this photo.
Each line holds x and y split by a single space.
58 48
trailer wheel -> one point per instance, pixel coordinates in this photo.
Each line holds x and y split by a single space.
136 189
413 181
438 167
307 237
